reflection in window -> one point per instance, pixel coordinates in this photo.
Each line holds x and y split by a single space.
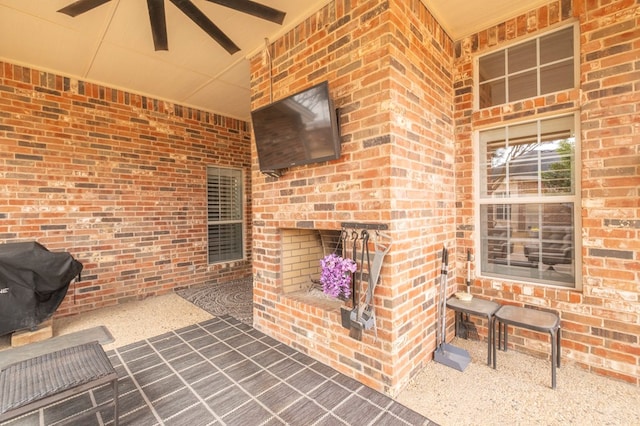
533 242
529 159
528 197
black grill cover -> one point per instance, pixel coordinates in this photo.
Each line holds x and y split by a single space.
33 282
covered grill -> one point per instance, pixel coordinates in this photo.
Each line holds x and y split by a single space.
33 282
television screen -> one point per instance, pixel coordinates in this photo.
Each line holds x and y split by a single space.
300 129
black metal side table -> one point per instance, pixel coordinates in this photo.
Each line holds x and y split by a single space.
479 307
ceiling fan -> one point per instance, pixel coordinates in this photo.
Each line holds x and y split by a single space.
159 23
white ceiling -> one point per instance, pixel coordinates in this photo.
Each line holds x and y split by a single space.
112 44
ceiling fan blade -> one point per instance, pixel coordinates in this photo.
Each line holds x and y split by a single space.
81 6
158 24
252 8
209 27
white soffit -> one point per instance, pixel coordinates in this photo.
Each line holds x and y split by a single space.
461 18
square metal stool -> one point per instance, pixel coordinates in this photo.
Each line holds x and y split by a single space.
532 319
480 307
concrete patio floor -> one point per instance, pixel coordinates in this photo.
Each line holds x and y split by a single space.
518 392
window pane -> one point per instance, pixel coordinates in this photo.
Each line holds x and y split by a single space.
225 214
522 161
557 152
530 159
492 93
491 66
522 57
225 242
555 77
225 200
522 86
556 46
531 241
512 161
493 172
539 66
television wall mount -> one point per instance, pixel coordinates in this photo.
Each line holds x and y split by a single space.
273 173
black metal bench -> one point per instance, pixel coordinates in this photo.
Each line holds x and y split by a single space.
46 379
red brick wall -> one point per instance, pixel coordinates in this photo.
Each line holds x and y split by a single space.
601 322
388 66
116 179
422 186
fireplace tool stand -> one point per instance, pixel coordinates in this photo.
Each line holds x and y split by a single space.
445 353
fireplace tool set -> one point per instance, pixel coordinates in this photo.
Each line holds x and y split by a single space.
445 353
362 315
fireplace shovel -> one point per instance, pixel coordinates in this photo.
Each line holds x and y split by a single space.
447 354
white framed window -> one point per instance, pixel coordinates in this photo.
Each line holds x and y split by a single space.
528 198
225 214
535 67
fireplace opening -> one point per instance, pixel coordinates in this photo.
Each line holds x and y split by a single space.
302 250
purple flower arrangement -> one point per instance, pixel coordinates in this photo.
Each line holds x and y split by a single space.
336 275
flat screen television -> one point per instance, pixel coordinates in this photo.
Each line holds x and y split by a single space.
300 129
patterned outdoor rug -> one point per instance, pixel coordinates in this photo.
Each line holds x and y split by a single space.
234 298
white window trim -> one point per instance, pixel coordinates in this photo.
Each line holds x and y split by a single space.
577 198
546 31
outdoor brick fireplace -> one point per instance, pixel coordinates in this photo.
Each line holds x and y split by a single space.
396 170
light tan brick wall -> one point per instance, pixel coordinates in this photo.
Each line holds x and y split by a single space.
301 254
